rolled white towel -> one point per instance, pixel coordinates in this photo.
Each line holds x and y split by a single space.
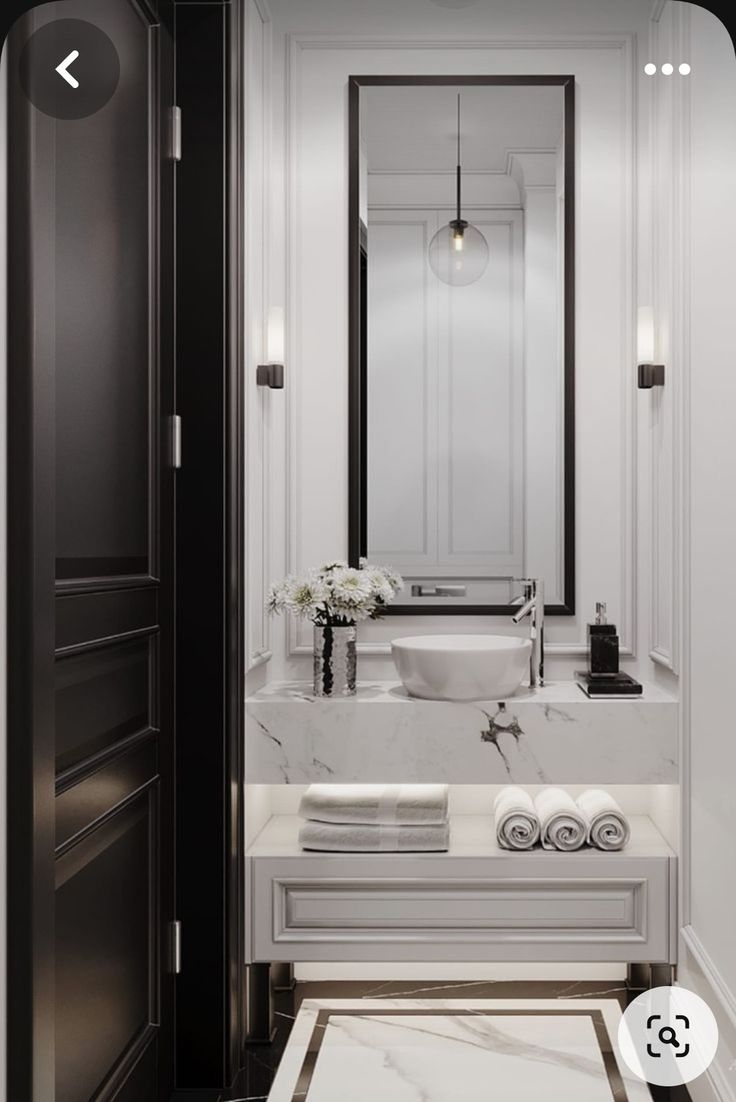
608 827
562 824
517 823
389 804
370 838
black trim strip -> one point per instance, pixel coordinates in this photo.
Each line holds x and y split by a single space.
105 641
102 820
74 586
78 772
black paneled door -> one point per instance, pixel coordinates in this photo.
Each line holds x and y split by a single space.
91 565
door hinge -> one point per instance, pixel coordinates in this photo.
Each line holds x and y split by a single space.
176 133
176 441
175 947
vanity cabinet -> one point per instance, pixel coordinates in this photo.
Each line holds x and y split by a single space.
473 903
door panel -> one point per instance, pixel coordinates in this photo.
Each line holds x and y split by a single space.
87 619
102 697
93 325
105 958
105 233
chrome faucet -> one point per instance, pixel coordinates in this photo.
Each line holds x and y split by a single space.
532 605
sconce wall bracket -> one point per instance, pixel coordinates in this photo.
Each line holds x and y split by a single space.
650 375
270 375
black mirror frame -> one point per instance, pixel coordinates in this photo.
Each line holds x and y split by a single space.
357 466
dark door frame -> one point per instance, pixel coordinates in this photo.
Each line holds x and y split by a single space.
210 506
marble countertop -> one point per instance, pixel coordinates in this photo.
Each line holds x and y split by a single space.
393 692
551 735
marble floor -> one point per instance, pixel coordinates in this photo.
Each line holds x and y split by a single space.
442 1042
439 1050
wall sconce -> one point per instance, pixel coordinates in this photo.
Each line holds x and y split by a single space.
649 373
271 374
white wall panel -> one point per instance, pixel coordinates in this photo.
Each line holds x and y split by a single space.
445 429
316 253
708 946
258 400
669 219
402 378
481 408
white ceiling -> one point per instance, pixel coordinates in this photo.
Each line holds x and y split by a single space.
414 128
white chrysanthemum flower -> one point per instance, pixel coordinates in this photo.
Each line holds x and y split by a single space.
365 612
329 567
276 598
379 583
305 595
336 594
394 579
350 590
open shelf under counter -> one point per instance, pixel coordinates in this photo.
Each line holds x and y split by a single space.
474 902
550 735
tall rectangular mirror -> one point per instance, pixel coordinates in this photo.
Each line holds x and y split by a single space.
462 337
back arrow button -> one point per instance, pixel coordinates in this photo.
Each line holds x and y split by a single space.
69 68
63 67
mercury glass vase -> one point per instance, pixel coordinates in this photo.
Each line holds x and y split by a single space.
334 661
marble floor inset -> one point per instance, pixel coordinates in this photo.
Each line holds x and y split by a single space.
443 1050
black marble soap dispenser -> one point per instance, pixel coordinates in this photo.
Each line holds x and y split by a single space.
602 678
602 646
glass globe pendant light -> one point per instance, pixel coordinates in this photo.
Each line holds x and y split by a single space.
458 253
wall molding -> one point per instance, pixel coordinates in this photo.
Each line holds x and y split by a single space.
256 264
263 9
711 972
428 227
719 1087
295 47
509 155
658 7
629 302
669 209
410 42
445 206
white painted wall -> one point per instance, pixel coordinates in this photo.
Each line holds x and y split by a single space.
310 133
621 465
708 952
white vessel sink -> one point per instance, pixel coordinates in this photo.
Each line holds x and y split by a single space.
461 667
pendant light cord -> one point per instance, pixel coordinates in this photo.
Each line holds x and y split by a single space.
458 128
458 157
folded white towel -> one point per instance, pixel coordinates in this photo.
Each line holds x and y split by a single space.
390 804
369 838
563 826
517 823
608 827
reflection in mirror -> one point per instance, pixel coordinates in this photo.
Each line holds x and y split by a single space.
462 382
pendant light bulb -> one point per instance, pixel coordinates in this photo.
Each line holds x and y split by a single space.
458 253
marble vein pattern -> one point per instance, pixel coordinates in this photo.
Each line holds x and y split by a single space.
554 735
441 1050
